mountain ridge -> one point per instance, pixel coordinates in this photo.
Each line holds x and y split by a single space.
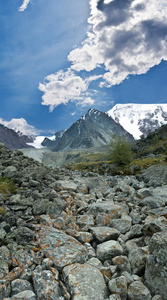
93 130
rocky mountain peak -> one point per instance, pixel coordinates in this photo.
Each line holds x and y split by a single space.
93 130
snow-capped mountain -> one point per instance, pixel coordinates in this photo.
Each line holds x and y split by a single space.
139 119
13 139
93 130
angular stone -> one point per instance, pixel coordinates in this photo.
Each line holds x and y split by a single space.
85 282
45 285
103 219
108 250
138 291
20 285
156 270
24 235
39 207
22 258
122 225
102 234
84 237
122 263
119 286
60 247
66 185
15 273
5 289
10 172
4 261
26 295
106 207
85 221
115 297
55 208
137 258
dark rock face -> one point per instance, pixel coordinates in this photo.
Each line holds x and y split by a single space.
70 235
12 139
53 144
93 130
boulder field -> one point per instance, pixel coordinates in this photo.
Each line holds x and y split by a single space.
69 235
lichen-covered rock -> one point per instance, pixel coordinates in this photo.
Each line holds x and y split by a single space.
106 207
45 285
4 261
25 295
20 285
122 263
156 267
85 221
137 257
119 286
138 291
85 282
5 289
60 247
108 250
102 234
122 225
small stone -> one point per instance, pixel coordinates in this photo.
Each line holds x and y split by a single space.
5 289
122 263
138 291
45 285
25 295
108 250
122 225
102 234
119 286
19 285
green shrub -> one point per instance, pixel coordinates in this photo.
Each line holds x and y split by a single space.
120 151
2 210
7 186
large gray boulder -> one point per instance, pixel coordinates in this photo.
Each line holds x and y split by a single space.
60 247
85 282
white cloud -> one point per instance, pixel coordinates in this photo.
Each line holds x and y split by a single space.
65 86
24 5
126 37
20 125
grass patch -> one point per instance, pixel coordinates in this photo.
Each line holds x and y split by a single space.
2 210
146 162
7 186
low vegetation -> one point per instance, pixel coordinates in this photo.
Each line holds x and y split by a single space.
127 159
7 186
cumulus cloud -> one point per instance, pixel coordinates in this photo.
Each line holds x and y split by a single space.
65 86
126 37
20 125
24 5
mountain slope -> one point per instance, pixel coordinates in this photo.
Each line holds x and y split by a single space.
93 130
12 139
52 143
139 119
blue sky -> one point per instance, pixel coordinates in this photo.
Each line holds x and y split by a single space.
60 58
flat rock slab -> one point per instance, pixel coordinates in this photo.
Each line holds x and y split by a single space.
108 250
61 248
102 234
85 282
106 207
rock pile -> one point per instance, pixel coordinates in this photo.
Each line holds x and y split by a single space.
70 235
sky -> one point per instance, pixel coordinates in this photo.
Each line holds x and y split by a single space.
60 58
